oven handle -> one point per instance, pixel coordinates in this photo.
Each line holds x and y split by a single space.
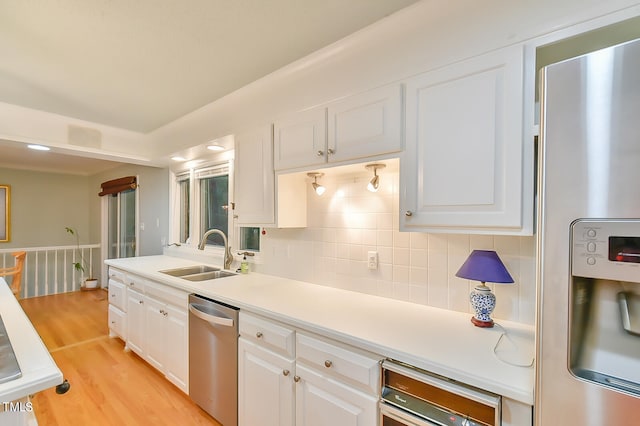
401 416
213 319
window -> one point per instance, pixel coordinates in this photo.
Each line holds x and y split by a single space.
184 205
212 186
214 202
202 203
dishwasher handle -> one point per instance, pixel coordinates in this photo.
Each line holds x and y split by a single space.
213 319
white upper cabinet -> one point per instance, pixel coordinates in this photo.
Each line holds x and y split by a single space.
300 139
260 199
365 125
359 126
254 177
468 163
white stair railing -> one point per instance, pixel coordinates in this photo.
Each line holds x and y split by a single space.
50 270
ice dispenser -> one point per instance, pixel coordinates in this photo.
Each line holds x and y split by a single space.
604 323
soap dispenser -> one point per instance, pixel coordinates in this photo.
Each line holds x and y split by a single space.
244 265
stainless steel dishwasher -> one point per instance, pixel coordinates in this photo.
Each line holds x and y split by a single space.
213 358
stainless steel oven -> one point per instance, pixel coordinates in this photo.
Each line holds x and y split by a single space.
414 397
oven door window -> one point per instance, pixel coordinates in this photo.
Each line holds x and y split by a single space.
394 417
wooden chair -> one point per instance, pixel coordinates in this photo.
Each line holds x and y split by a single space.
15 272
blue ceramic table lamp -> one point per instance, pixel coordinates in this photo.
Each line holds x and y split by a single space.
484 266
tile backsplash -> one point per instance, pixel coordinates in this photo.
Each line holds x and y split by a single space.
348 221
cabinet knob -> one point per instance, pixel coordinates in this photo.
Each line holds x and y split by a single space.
259 334
330 151
140 302
113 295
296 379
408 213
113 322
328 363
132 283
320 153
285 372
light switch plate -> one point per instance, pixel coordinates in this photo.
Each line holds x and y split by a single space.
372 260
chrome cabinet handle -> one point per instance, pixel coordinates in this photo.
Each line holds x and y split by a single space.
259 334
408 213
296 379
320 153
330 151
285 372
328 363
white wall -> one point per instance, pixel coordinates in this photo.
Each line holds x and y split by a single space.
43 204
348 221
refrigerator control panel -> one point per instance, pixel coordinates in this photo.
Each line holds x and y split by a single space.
606 249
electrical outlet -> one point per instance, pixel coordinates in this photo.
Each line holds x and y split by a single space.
372 260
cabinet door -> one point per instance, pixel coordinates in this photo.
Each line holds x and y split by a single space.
254 177
265 387
322 401
135 322
463 166
300 139
177 346
155 324
117 294
365 125
117 323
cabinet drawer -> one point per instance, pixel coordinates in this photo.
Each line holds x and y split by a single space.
167 294
117 274
348 364
135 282
117 322
267 334
117 294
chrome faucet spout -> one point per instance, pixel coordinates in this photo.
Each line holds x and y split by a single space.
228 257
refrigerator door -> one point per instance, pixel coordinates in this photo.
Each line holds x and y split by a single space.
589 168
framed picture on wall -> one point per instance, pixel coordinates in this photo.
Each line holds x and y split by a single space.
5 210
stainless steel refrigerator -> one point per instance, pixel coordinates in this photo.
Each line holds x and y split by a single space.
588 241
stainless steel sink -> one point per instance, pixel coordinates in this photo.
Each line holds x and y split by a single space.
198 273
208 275
189 270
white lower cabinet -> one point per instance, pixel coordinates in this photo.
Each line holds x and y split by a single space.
117 308
330 384
135 322
167 340
323 401
117 323
265 386
152 319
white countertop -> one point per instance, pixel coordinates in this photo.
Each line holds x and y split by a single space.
39 371
437 340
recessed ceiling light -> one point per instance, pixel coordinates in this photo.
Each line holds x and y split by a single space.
215 147
39 147
178 158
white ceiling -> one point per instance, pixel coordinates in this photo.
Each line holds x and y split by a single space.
141 64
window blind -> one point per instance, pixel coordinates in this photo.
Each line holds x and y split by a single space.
112 187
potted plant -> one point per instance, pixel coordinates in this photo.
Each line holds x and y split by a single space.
81 266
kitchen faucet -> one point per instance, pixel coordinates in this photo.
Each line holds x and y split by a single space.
228 257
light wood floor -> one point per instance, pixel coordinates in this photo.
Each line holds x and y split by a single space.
108 385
